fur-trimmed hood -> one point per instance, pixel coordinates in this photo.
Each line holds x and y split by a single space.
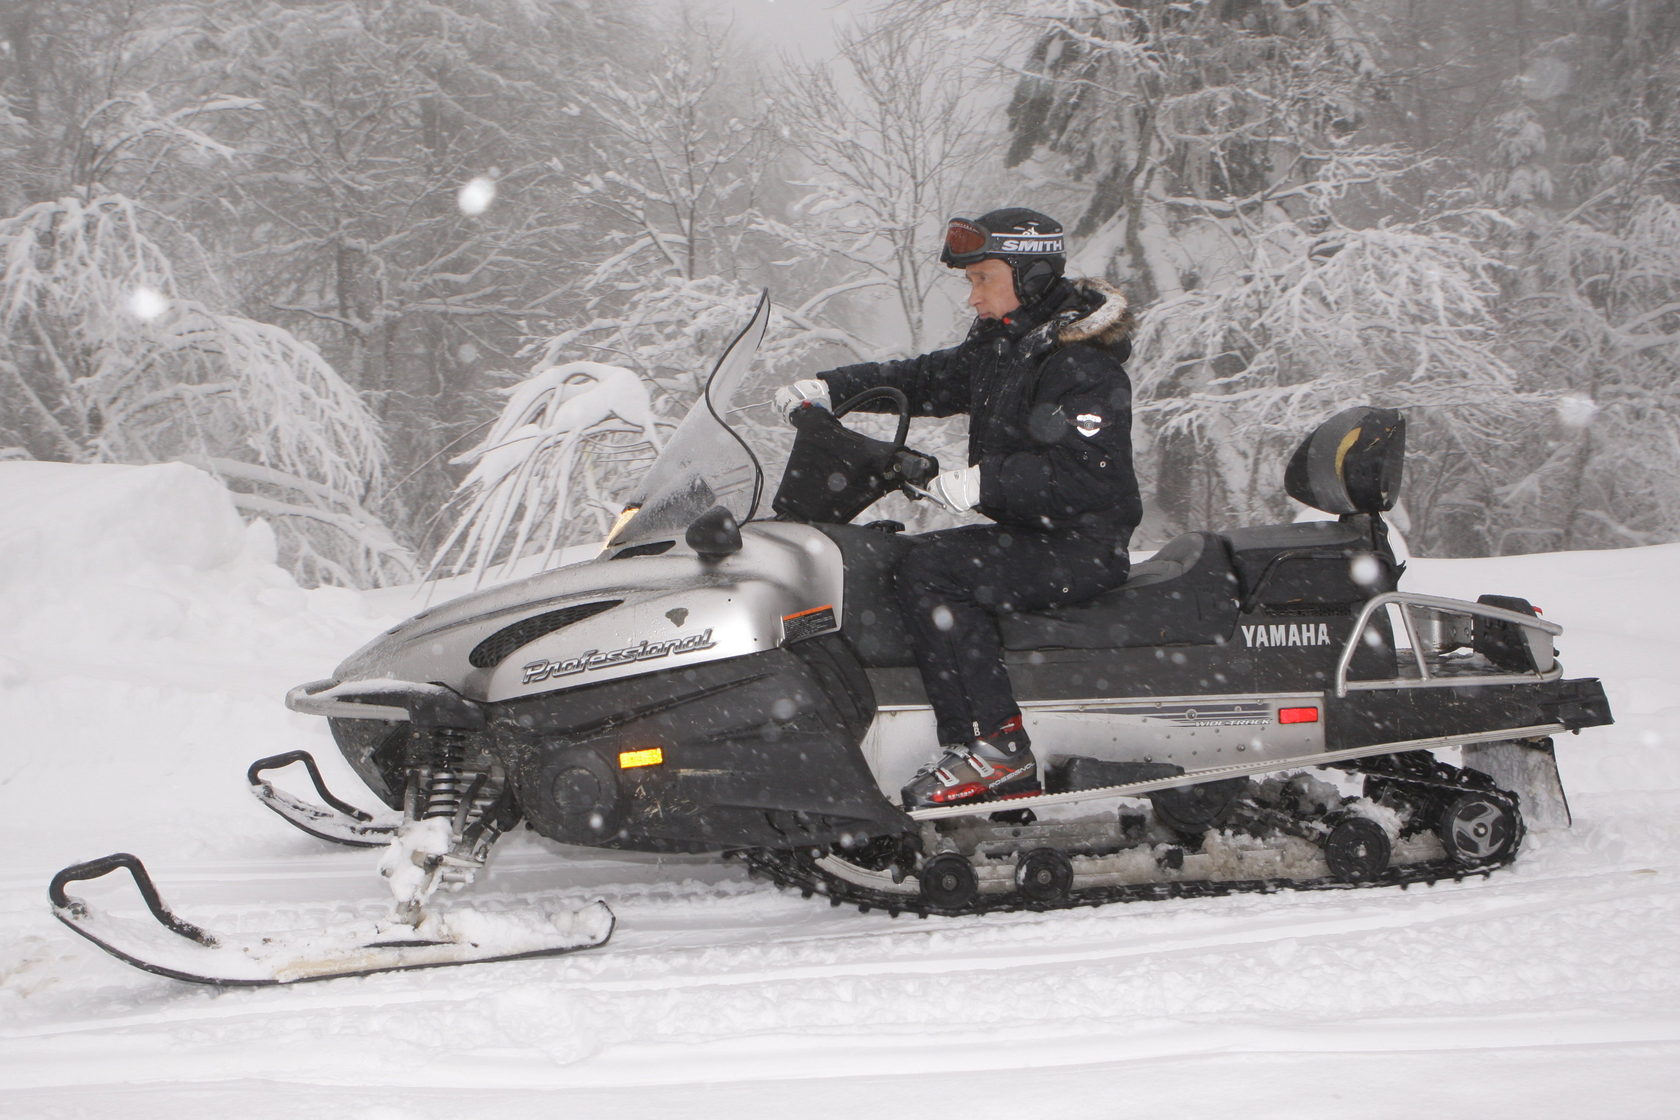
1108 323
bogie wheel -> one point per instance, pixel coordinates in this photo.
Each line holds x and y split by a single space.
1476 829
1044 876
1357 850
948 882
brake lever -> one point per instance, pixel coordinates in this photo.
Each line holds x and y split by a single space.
911 467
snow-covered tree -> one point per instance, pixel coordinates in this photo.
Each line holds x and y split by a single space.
1399 313
675 177
1168 111
676 165
536 478
120 341
1599 322
1286 263
112 362
109 93
681 158
679 179
671 335
893 138
1586 160
397 199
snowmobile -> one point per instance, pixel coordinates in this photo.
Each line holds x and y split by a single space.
1252 710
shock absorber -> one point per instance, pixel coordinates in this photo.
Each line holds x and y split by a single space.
446 783
445 794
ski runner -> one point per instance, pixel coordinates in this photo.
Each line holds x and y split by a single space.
1041 376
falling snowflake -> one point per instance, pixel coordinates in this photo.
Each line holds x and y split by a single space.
476 196
1365 570
1575 410
147 303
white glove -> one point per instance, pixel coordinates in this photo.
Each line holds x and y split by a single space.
812 390
956 490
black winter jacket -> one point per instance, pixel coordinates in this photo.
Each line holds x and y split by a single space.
1049 406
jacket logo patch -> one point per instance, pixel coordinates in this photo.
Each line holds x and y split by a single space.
1291 634
1089 423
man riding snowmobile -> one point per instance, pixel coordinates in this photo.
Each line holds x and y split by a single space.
1254 708
1041 376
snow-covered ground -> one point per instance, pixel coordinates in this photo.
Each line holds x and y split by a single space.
146 640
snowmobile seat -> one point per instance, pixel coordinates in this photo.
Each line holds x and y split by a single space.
1183 595
1310 563
1350 466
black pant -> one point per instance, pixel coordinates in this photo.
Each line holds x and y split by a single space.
952 586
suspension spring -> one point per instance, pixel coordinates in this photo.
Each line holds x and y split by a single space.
448 780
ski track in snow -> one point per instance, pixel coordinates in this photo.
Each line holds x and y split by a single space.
133 697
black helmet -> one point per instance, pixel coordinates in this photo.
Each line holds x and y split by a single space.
1030 243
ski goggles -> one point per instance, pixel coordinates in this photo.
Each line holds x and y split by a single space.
967 242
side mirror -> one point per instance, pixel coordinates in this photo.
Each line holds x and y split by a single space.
714 534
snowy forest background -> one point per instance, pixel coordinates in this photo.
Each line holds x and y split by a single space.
363 259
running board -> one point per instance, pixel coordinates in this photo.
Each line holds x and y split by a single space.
173 947
1197 777
337 821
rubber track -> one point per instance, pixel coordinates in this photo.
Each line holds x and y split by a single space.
795 869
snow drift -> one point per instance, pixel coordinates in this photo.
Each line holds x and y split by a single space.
144 628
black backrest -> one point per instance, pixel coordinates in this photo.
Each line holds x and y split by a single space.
1352 463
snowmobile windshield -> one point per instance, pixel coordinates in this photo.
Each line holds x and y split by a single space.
705 463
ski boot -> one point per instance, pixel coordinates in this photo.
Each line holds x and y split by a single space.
996 766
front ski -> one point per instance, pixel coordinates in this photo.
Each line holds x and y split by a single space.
337 821
174 947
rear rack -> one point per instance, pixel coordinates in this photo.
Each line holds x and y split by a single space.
1434 662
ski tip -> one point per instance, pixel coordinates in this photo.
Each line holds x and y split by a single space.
603 914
